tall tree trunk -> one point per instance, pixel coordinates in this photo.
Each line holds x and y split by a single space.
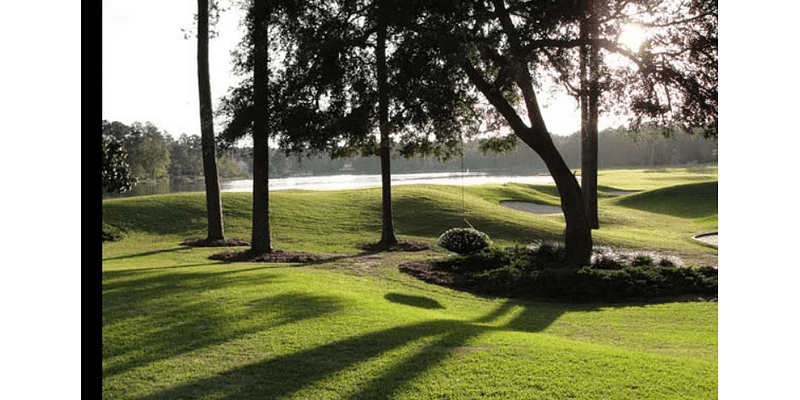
261 241
577 234
387 225
589 64
213 199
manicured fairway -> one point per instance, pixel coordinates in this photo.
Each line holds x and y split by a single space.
178 325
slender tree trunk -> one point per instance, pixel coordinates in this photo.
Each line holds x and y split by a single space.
589 115
387 225
213 197
261 241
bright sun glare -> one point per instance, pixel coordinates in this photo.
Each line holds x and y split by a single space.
632 36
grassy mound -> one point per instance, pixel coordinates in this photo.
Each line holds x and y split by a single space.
695 200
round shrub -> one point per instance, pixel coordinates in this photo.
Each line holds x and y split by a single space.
463 240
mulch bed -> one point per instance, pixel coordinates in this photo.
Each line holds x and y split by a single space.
277 256
422 270
280 256
403 246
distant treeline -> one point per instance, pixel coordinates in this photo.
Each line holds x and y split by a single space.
156 156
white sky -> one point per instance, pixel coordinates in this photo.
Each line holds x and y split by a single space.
150 70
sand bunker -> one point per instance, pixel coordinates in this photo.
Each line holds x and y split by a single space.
531 207
711 238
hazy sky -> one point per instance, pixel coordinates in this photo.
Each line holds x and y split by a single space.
150 72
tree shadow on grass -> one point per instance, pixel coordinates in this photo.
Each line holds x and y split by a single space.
443 339
145 254
414 301
169 314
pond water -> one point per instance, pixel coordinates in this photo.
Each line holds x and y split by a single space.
340 182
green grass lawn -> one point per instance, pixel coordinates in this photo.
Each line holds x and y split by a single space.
178 325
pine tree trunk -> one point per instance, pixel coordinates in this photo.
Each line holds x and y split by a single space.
261 241
589 117
387 225
213 198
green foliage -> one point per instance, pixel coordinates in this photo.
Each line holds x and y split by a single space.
325 95
186 157
463 240
153 157
633 282
498 145
230 167
112 233
116 173
615 275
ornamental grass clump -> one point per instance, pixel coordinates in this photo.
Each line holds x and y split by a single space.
463 240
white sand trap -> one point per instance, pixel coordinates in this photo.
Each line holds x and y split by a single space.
531 207
711 238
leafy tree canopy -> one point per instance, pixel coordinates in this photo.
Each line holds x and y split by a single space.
324 94
116 174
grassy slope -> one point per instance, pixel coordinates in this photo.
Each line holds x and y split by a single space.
176 324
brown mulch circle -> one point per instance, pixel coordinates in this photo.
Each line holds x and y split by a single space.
215 243
403 246
278 256
422 270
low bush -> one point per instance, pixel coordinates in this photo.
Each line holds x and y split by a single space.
112 233
627 283
463 240
614 275
488 258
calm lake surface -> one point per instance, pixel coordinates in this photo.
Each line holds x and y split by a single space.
341 182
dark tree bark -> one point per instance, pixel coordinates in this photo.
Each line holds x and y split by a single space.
387 225
578 235
261 240
590 92
213 198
